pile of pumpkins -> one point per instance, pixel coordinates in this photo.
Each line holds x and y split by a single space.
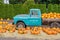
9 27
51 15
33 30
51 31
5 26
5 22
22 31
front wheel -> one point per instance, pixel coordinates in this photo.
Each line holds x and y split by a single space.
21 25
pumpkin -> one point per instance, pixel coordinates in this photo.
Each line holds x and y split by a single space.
48 28
25 31
58 30
39 28
28 28
54 28
44 29
20 32
51 15
4 30
54 32
1 27
12 30
49 32
6 22
7 27
35 32
0 22
1 30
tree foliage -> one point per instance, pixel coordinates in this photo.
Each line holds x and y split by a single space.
16 1
49 1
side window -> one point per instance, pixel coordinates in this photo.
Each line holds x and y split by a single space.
35 13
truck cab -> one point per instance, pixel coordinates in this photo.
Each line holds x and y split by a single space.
31 19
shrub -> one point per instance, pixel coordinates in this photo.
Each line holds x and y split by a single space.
53 8
59 8
9 11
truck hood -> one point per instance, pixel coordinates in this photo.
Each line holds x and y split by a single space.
21 16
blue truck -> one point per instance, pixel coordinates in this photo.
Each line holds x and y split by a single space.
33 19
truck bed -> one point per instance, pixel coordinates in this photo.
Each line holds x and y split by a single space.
47 21
56 19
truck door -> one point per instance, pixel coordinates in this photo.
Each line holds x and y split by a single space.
35 18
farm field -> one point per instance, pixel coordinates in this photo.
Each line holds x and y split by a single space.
9 31
50 14
35 33
29 34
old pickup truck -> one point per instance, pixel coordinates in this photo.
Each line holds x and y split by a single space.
34 19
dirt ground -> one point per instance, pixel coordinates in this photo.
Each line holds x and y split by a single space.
16 36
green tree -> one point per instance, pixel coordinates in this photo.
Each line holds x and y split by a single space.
17 1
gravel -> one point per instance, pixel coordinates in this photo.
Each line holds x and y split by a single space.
16 36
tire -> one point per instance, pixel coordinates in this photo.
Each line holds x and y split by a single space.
21 25
55 24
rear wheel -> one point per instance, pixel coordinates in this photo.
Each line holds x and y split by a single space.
21 25
55 24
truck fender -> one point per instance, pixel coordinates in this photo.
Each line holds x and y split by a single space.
21 21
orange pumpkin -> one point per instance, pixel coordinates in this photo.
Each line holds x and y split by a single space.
0 22
35 32
44 29
49 32
28 28
58 30
4 30
7 27
20 32
54 32
1 30
54 28
48 28
25 31
4 23
1 27
12 29
39 28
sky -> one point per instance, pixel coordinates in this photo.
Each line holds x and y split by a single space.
6 1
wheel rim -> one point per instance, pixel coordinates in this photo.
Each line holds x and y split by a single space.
55 24
20 26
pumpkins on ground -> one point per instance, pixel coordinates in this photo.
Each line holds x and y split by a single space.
28 28
4 30
22 31
35 31
0 22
